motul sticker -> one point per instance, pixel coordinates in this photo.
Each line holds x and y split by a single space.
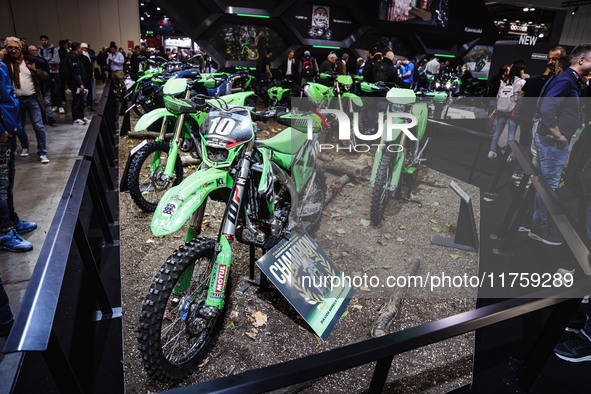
220 282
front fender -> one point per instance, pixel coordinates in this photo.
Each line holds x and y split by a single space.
355 98
147 119
179 203
237 98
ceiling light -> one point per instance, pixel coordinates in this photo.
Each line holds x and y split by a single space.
525 9
504 19
142 4
532 9
529 23
142 18
575 10
541 35
157 8
517 21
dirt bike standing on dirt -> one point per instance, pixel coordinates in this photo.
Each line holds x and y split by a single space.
156 166
399 154
269 186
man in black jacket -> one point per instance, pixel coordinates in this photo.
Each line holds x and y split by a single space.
77 76
43 65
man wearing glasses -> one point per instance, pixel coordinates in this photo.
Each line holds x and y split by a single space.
43 65
26 78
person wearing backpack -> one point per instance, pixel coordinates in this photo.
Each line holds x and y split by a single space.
506 101
48 52
308 68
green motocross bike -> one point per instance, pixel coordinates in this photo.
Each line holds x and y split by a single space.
155 167
399 155
338 96
269 186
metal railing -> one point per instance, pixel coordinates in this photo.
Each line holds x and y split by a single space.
67 335
560 303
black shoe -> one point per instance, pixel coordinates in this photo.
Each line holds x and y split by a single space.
5 329
576 348
51 122
545 237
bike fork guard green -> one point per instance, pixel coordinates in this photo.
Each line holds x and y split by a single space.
220 274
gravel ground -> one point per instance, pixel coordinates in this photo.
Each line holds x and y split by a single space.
356 248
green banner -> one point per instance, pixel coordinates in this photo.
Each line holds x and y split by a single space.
309 280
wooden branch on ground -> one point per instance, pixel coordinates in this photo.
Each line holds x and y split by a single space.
390 310
189 161
345 167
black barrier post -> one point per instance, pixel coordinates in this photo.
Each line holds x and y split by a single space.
59 366
495 184
92 270
466 235
476 157
126 123
531 367
380 374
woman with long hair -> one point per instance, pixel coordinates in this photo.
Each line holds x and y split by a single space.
509 90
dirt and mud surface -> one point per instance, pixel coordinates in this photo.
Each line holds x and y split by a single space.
356 248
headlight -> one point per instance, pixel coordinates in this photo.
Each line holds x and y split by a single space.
217 155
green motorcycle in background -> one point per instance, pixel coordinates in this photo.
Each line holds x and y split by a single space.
155 167
399 155
269 186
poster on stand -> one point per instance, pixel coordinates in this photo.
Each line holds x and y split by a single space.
426 12
478 60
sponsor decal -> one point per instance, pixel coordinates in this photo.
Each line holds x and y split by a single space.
220 281
169 209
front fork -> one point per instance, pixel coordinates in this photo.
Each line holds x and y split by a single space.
220 272
174 143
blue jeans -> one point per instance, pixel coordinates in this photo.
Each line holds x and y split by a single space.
500 121
551 161
31 106
8 216
5 312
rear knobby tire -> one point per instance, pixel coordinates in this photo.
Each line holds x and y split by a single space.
317 197
145 187
166 316
380 192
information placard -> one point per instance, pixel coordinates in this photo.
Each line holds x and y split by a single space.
308 280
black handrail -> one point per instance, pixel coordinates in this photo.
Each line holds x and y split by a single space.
346 357
71 275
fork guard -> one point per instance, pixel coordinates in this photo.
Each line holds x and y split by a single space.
179 203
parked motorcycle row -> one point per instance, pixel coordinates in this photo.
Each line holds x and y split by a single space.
269 186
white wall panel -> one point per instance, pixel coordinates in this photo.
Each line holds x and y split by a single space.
577 28
97 22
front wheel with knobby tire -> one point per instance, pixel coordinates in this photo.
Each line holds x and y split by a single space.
147 180
175 334
312 204
380 192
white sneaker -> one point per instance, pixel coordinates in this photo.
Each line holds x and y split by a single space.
25 152
44 159
62 110
492 155
79 122
87 120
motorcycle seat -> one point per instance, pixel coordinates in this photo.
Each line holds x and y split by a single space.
288 141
